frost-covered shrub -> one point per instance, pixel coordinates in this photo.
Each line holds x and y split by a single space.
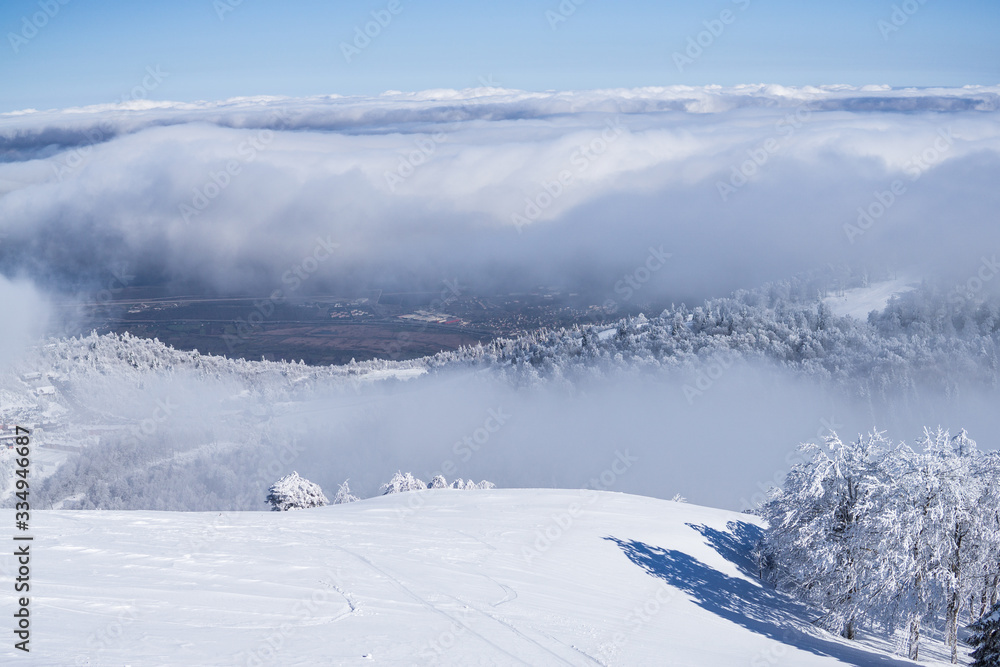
344 495
402 482
292 492
469 485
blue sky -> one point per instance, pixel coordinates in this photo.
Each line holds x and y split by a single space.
98 51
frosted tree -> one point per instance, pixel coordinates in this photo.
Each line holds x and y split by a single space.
344 495
986 638
822 524
292 492
939 532
889 536
906 593
961 530
439 482
989 512
401 482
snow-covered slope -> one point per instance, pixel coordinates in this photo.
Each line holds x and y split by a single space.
536 577
860 301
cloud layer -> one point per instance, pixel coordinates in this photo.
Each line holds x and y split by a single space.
504 188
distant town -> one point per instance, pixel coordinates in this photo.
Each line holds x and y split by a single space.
322 329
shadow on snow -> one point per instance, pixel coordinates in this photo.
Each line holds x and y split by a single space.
753 606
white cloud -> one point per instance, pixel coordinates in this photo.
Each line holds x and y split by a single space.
81 189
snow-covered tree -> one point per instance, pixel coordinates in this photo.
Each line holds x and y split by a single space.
986 638
401 482
439 482
989 513
889 535
292 492
822 523
344 495
934 533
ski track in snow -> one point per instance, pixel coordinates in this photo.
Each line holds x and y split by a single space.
351 584
520 634
403 587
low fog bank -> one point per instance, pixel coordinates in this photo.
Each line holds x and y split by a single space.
629 196
26 314
503 190
718 436
640 435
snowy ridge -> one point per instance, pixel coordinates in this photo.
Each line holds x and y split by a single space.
131 357
508 577
777 325
860 301
157 413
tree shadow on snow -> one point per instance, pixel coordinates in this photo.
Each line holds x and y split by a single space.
756 607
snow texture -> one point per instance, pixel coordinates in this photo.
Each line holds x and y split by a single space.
510 577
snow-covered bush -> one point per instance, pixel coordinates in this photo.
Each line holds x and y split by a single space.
292 492
439 482
344 495
469 485
401 482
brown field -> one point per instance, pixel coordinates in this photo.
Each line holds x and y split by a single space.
313 343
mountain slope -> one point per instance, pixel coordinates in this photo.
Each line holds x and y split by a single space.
532 577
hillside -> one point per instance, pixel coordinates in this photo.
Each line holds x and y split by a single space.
436 577
127 423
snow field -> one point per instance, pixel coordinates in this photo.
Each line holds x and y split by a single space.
629 581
